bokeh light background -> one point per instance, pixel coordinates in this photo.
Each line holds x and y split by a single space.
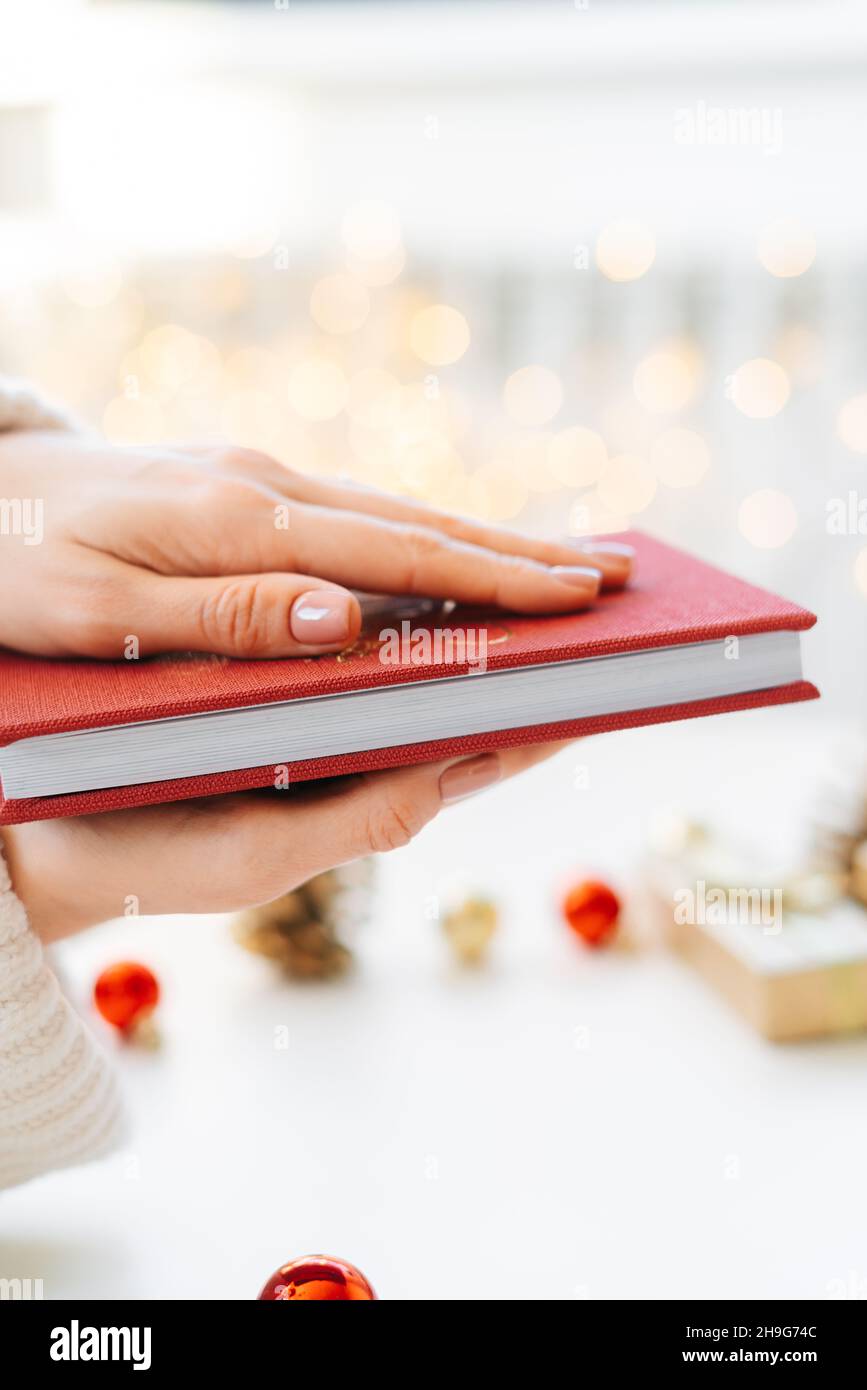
566 266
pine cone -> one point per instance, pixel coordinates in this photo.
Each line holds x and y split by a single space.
300 930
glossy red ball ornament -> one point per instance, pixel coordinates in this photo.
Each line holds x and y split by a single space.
126 994
591 908
317 1278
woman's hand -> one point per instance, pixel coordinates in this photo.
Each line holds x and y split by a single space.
228 551
227 852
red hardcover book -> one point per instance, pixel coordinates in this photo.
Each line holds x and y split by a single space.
682 641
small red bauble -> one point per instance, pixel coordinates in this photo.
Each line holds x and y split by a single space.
317 1278
591 908
126 994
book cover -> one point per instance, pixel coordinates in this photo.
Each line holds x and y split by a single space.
673 599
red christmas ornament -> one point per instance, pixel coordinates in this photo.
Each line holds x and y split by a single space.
591 908
317 1278
126 995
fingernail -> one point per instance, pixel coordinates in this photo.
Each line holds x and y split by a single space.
579 576
614 558
605 548
321 617
472 775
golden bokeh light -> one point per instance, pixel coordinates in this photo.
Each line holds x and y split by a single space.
373 398
208 375
427 466
627 486
527 457
625 250
625 425
577 456
252 419
405 424
193 416
767 518
368 445
93 289
506 492
339 303
439 335
420 412
786 248
317 388
680 458
254 366
798 349
667 379
133 420
532 395
376 273
371 231
760 388
295 448
226 290
456 412
465 495
129 313
375 468
588 516
852 424
256 241
69 376
171 356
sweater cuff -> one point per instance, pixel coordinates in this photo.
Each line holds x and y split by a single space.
59 1101
22 408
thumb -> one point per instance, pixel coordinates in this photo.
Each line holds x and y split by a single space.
247 615
320 826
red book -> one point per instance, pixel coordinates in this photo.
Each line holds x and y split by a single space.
682 641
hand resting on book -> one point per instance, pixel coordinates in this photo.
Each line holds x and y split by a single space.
229 552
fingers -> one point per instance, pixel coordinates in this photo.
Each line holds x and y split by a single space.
371 814
251 615
371 552
364 539
246 615
612 558
228 852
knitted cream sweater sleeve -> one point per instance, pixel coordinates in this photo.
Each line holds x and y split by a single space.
59 1102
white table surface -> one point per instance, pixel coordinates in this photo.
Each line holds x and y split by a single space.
561 1124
